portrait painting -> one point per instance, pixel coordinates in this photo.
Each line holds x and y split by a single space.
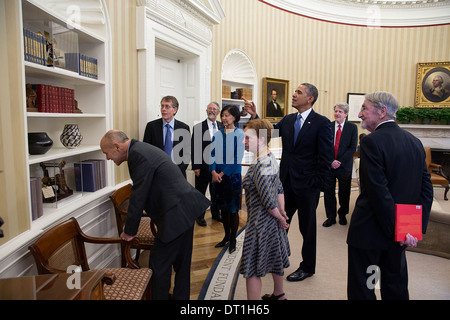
275 99
433 85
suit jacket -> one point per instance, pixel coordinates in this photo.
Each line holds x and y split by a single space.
161 190
347 144
272 112
201 147
392 170
154 135
307 163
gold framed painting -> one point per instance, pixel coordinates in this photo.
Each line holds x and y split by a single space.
275 99
433 85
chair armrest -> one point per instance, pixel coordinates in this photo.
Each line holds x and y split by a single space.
125 246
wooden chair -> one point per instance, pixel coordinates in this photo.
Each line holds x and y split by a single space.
437 175
64 245
147 228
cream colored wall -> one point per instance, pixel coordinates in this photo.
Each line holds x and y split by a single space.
124 73
336 58
13 187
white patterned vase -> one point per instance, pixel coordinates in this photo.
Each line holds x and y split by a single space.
71 136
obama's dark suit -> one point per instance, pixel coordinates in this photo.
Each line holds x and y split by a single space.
303 169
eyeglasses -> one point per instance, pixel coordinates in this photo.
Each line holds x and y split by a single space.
166 106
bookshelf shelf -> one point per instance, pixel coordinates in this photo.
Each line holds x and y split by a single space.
60 153
59 75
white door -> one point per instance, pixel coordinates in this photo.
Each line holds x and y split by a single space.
179 79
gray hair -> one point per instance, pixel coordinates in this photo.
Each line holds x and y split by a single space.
214 102
383 98
342 105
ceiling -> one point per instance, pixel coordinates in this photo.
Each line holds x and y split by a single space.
371 13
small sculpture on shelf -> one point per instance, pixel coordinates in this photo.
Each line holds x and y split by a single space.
54 188
31 98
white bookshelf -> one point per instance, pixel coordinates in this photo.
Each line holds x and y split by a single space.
93 97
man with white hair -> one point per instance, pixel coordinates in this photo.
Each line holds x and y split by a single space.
392 171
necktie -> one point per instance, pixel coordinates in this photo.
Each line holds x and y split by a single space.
336 143
168 144
297 127
214 127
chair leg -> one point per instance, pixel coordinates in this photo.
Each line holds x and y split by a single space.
138 252
447 187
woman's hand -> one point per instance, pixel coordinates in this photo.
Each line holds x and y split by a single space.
216 177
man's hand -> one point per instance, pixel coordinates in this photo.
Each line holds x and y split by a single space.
250 107
410 241
126 237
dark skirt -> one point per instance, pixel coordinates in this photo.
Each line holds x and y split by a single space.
228 193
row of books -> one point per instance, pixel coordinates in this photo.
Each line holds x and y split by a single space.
54 99
84 65
90 175
35 47
38 50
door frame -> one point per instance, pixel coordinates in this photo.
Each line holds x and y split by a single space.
152 31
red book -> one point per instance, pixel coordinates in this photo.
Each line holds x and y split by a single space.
408 219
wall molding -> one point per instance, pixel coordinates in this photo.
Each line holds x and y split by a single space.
370 13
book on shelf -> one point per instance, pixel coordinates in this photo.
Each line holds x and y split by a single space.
90 175
54 99
408 219
84 65
36 198
35 47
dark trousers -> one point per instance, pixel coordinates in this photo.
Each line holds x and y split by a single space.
306 205
329 190
393 273
163 257
201 184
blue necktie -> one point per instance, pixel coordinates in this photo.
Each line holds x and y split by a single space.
214 127
168 144
297 127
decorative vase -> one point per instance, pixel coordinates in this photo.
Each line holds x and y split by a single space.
39 142
71 136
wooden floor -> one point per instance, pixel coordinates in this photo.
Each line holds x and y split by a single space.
203 254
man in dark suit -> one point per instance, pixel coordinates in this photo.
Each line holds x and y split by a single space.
273 107
171 202
392 171
200 150
345 140
305 163
177 144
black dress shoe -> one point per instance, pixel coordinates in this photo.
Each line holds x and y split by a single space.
298 275
329 222
221 243
217 217
342 220
232 247
201 222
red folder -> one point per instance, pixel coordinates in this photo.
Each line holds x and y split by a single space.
408 219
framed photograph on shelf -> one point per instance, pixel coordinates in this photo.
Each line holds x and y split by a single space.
433 85
354 101
275 99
